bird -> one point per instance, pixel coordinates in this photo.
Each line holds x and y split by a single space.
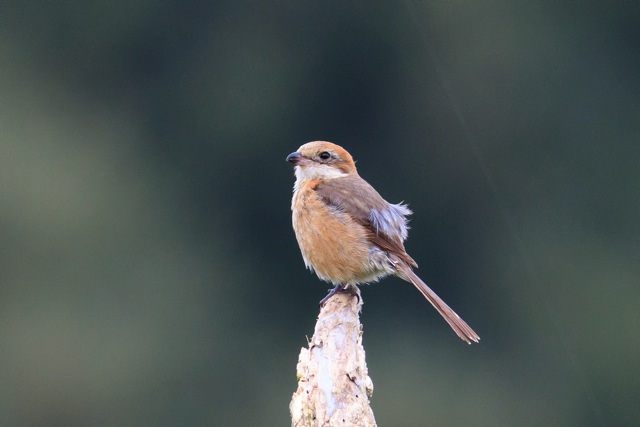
347 233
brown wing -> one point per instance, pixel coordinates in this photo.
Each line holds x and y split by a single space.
356 197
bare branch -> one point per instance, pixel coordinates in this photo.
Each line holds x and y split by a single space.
333 382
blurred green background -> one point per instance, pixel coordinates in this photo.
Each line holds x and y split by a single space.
149 273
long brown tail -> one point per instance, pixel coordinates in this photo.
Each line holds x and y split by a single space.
460 327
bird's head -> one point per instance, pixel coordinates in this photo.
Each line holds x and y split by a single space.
321 160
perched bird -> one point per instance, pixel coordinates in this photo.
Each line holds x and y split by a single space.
348 234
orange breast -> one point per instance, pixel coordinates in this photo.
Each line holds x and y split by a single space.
332 244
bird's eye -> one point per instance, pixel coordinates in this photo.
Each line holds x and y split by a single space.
325 155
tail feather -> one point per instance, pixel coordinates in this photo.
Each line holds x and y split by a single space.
459 326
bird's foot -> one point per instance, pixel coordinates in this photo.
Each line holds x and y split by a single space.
339 289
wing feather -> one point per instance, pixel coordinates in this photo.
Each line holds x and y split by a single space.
385 223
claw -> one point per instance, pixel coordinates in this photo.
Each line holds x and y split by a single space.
340 288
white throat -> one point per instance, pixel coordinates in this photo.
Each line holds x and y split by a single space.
317 171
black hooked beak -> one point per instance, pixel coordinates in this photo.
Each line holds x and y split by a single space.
294 158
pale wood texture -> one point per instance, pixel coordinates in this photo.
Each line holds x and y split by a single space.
333 382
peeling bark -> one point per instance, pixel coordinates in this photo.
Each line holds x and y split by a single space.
333 382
